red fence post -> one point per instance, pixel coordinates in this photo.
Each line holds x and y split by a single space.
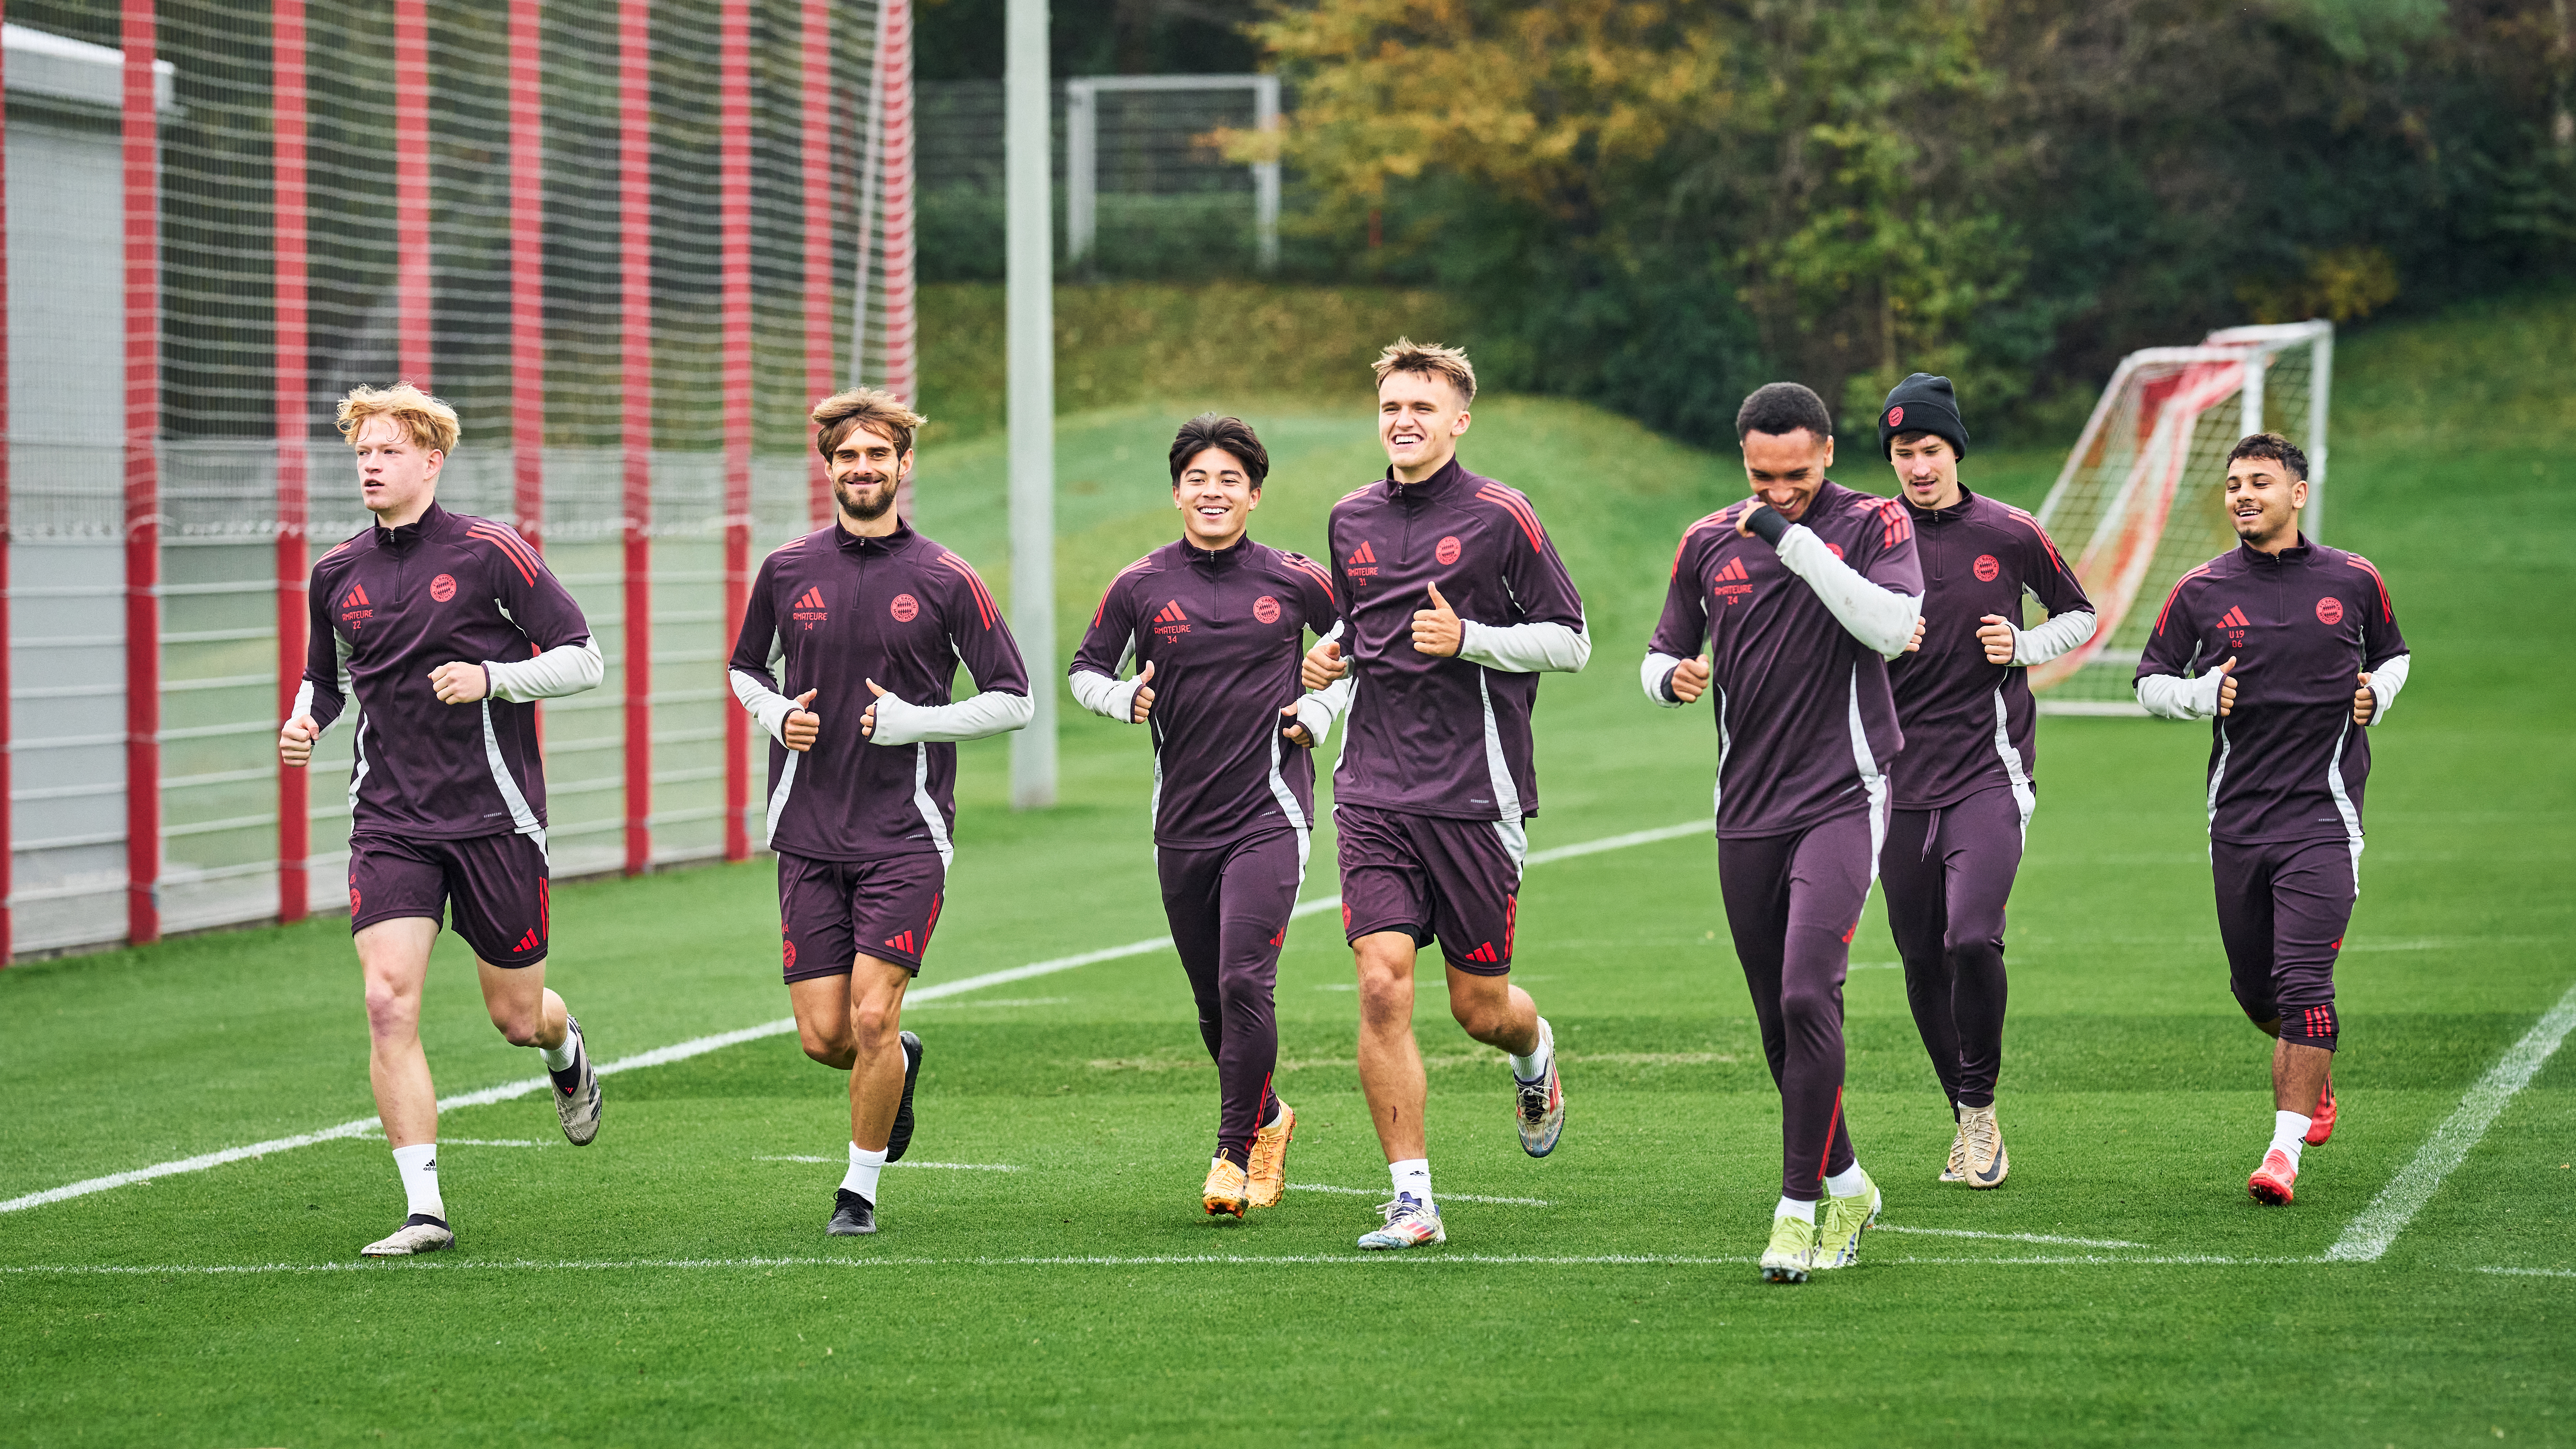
527 273
735 166
894 73
635 253
141 138
289 223
411 188
8 823
815 153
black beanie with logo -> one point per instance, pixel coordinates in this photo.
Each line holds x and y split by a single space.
1921 404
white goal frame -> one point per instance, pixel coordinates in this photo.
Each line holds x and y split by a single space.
2117 550
1082 151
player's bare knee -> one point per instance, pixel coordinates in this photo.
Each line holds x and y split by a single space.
391 1013
520 1028
832 1050
1386 1000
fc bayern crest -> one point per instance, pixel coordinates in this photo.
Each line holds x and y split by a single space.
1266 609
443 588
1448 551
1895 417
1987 568
905 608
2329 611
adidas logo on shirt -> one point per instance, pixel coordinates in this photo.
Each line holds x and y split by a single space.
1361 565
1171 621
1732 582
356 608
809 609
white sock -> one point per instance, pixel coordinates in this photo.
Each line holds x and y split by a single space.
419 1165
862 1176
559 1058
2289 1134
1533 1068
1791 1207
1847 1183
1412 1175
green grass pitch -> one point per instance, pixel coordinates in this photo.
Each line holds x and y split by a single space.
672 1284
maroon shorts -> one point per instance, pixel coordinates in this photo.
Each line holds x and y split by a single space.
1458 880
830 911
492 889
2282 909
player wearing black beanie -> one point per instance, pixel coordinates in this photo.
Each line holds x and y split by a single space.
1963 785
1922 404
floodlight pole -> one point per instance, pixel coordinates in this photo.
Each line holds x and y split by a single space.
1031 330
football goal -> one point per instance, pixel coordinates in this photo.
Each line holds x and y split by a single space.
2138 502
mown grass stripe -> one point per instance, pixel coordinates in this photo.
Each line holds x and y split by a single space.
700 1046
2378 1225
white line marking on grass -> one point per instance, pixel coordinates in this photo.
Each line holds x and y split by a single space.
952 1166
2378 1225
2534 1272
1438 1196
792 1158
1421 1257
2008 1237
700 1046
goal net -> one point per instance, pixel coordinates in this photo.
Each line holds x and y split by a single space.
2138 502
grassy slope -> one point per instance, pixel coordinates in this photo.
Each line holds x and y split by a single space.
2133 1090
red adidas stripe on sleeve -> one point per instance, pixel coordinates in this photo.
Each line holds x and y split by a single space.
2387 611
496 539
983 601
1519 509
2176 594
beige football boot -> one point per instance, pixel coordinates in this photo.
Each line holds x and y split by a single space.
1268 1176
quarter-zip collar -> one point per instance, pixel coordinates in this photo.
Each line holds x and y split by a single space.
1933 516
1216 560
1452 475
891 543
401 540
2296 553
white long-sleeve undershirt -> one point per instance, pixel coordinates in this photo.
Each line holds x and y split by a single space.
1882 620
2046 642
2385 681
564 669
1102 695
1532 648
766 705
992 712
2169 696
1654 673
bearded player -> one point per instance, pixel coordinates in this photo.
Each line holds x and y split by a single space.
1964 787
1453 602
450 628
2292 649
1217 623
847 653
1800 595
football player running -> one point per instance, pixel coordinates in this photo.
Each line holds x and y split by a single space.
1453 602
1216 624
1799 596
450 628
1965 785
2291 650
847 653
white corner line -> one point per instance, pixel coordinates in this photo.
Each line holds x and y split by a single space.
2008 1237
2533 1272
700 1046
1437 1197
2377 1226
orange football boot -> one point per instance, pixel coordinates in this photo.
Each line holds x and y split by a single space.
1224 1193
2321 1126
1268 1175
2270 1183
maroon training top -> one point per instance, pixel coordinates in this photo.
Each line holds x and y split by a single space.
1806 724
396 603
900 610
1225 632
1431 735
2287 762
1970 725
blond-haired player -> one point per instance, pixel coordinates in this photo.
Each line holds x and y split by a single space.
450 628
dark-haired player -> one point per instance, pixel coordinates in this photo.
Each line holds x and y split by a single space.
1453 601
1800 595
1963 790
451 628
1217 625
847 651
2292 649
